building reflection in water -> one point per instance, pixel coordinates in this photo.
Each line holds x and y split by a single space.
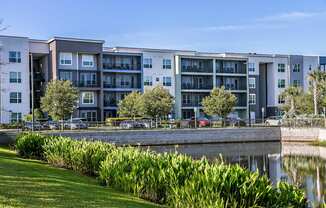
302 165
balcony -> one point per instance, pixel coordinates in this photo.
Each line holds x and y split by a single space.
110 103
132 67
232 83
231 67
196 65
241 100
193 99
196 86
196 82
122 86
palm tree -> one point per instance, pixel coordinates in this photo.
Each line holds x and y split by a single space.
290 94
316 77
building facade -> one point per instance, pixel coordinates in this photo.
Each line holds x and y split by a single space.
105 75
14 78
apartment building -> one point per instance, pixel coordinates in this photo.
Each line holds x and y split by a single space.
105 75
198 73
14 78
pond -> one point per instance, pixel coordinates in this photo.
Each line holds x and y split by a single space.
300 164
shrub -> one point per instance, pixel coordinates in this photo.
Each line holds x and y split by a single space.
30 145
82 156
172 179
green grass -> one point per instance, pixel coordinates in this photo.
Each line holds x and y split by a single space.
319 143
31 183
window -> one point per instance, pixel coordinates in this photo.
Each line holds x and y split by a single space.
66 58
65 75
166 63
87 79
323 67
15 117
87 60
251 67
15 97
167 81
15 77
281 83
296 83
310 67
89 115
147 63
281 99
148 81
252 99
252 83
296 67
186 99
88 97
14 57
281 68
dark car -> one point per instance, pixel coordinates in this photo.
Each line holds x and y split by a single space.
29 126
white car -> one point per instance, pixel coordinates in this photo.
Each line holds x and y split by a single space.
273 121
76 123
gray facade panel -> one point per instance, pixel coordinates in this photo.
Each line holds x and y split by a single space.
296 59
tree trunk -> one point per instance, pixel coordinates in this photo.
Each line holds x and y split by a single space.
315 99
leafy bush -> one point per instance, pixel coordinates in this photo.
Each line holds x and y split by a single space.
30 145
82 156
172 179
179 181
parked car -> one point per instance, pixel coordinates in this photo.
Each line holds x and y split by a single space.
201 122
132 125
274 121
53 125
29 126
235 121
76 123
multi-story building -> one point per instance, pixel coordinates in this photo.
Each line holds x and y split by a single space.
105 75
14 78
198 73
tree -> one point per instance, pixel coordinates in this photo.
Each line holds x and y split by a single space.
38 114
290 95
132 105
157 102
220 102
60 99
318 80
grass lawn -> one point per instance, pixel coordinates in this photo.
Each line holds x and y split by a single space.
32 183
320 143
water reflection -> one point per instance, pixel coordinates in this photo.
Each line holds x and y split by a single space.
299 164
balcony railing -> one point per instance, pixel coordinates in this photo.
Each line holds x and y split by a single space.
232 87
110 103
234 70
110 85
85 84
122 66
197 86
206 69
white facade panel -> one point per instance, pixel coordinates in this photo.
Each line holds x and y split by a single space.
6 108
157 72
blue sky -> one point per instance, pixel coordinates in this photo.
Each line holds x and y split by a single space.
274 26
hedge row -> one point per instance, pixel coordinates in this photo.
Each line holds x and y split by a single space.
172 179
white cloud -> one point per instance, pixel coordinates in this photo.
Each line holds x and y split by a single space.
242 27
277 21
291 16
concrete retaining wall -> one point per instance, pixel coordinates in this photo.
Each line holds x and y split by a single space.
300 134
181 136
189 136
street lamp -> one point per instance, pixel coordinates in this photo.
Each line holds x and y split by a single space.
195 111
262 114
